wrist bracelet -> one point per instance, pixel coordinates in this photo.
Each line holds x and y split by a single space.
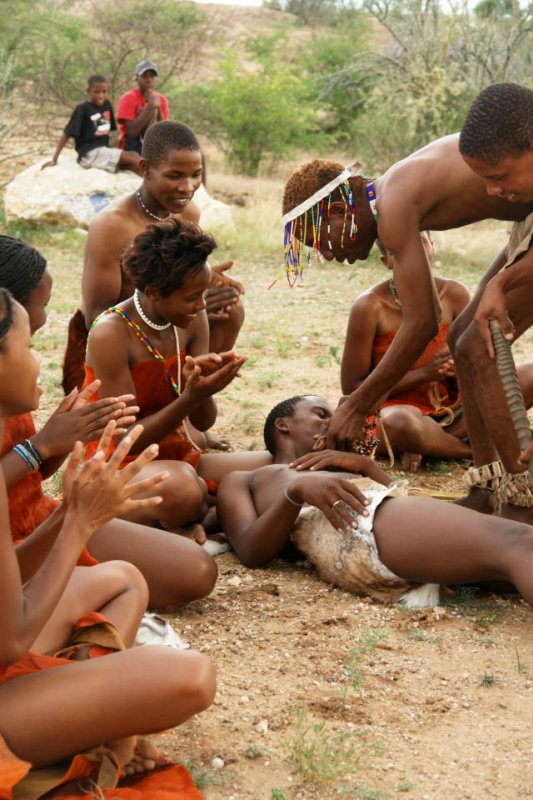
33 450
26 456
293 502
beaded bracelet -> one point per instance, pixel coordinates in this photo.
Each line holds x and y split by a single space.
294 503
26 456
33 450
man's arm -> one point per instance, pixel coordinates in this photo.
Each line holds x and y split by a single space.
255 539
148 114
493 303
101 282
63 139
421 313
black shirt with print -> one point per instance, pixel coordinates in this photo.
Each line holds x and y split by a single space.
90 125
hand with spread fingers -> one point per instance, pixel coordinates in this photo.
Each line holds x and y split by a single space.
99 490
76 419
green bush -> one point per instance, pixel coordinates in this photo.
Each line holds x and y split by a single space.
259 114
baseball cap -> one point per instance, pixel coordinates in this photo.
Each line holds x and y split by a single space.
144 66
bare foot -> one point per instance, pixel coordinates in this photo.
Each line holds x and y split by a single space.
143 759
194 531
410 461
210 521
477 499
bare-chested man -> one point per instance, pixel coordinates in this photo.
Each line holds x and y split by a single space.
171 167
377 544
342 214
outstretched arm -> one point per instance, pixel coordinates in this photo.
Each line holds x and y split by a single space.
63 139
421 313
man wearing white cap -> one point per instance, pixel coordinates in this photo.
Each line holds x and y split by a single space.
140 107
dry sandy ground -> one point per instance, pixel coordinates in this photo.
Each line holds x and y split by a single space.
443 709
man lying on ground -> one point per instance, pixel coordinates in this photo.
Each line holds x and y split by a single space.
362 538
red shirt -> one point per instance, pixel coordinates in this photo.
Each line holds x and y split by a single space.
129 107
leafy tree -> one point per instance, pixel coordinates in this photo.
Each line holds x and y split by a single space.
258 114
59 46
432 63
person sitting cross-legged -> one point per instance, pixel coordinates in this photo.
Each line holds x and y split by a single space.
70 679
422 414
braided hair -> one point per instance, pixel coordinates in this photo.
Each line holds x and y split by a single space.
6 315
21 267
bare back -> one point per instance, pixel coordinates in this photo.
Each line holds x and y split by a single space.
435 184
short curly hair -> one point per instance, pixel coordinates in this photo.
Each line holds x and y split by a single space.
163 137
308 179
284 409
164 255
499 123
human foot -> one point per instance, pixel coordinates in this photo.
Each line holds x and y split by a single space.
195 531
410 462
212 443
144 758
477 499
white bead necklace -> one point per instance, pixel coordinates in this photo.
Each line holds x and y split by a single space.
147 210
143 316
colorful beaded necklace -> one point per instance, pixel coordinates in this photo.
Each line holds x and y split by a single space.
317 208
144 339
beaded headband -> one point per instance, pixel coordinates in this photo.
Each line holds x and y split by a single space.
319 204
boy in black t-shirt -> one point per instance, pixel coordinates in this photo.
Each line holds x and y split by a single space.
90 125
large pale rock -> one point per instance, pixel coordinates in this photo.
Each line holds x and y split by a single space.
68 194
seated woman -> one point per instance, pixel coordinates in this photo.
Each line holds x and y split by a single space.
421 414
54 706
154 346
357 533
176 570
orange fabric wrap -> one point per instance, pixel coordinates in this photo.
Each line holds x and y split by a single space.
153 392
420 396
28 505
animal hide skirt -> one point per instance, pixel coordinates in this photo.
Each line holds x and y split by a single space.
349 558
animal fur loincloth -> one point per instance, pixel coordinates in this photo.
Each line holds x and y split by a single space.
350 559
